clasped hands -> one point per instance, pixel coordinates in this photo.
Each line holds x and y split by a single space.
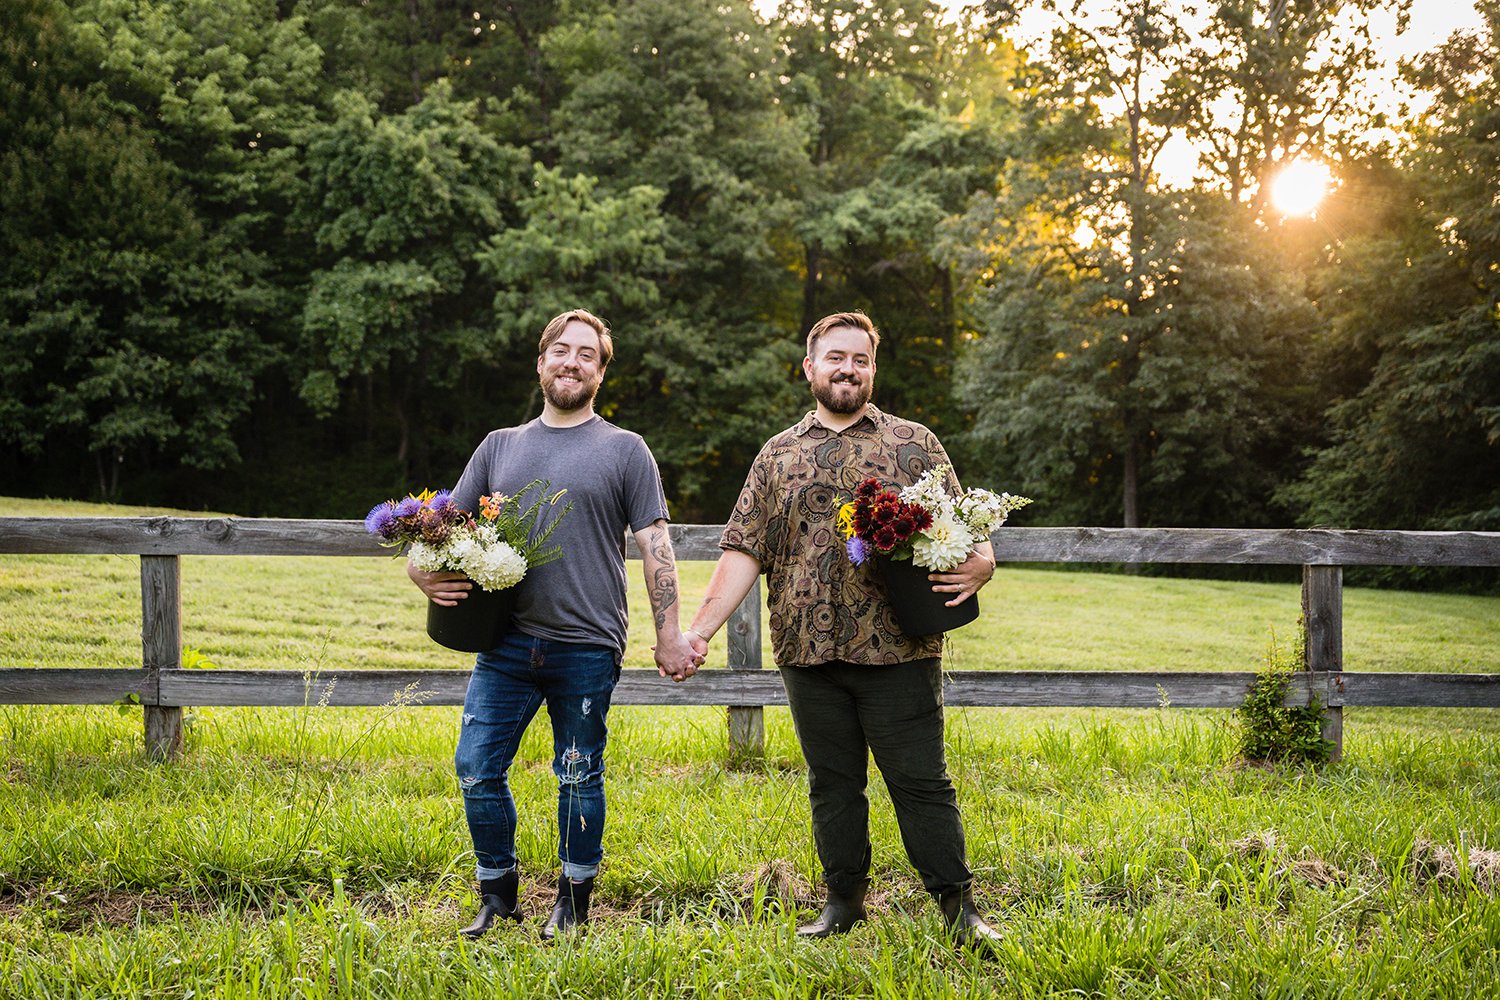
681 659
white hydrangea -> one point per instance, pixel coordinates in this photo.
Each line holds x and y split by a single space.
428 558
493 567
944 545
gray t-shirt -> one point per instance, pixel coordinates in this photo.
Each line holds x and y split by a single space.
612 480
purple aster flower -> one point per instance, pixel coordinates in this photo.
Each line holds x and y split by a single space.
858 550
378 521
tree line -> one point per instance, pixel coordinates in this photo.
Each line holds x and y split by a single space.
291 257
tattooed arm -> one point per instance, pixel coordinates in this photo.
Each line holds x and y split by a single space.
675 657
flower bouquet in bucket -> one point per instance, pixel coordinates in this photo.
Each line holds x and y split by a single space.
920 530
493 548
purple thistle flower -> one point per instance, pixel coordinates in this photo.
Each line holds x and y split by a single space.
379 520
441 499
408 507
858 550
436 523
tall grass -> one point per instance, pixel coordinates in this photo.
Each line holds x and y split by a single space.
321 852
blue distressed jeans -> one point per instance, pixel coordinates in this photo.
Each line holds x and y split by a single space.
509 684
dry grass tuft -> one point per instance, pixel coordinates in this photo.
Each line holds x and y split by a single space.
1432 862
1317 872
1485 867
779 880
1258 844
1438 863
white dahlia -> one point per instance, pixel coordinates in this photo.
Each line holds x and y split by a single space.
942 546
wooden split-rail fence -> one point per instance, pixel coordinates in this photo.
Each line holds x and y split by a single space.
164 688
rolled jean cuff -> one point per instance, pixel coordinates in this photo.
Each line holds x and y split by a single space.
482 873
579 872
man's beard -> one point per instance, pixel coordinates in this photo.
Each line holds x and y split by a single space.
828 393
575 398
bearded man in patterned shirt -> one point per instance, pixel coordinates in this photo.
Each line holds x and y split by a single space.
855 682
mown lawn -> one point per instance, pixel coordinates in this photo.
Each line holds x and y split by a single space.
321 852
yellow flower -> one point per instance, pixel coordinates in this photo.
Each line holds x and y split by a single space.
846 519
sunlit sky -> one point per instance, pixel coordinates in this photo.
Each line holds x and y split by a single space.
1430 23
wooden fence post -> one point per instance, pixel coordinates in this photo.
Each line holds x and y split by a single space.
161 649
747 723
1323 643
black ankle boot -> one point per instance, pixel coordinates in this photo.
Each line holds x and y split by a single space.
571 909
964 922
840 913
497 897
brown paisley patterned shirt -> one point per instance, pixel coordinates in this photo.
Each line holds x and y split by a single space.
822 606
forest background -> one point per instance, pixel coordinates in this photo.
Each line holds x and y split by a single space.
290 258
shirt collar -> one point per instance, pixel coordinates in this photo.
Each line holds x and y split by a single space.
873 417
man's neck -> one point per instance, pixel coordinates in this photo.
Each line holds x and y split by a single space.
554 417
840 421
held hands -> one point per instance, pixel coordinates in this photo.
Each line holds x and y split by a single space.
965 579
446 589
678 659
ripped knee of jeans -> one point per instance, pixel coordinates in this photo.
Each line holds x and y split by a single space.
474 786
575 766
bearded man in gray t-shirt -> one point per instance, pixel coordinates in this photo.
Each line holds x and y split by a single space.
566 639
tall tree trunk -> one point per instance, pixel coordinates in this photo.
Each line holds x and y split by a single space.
810 286
950 331
1130 475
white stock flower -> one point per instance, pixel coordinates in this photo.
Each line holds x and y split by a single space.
928 491
981 510
942 546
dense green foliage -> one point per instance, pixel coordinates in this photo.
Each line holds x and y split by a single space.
290 258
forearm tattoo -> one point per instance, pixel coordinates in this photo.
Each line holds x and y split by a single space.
662 580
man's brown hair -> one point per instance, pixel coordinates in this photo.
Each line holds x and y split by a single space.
856 319
557 324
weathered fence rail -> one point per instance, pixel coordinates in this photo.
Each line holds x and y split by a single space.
164 688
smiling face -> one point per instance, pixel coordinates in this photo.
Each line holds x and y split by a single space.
571 368
842 372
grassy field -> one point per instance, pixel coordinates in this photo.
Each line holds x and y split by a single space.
320 852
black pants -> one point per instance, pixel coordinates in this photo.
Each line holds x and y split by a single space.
843 711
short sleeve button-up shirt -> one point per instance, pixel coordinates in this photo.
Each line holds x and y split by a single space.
822 606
